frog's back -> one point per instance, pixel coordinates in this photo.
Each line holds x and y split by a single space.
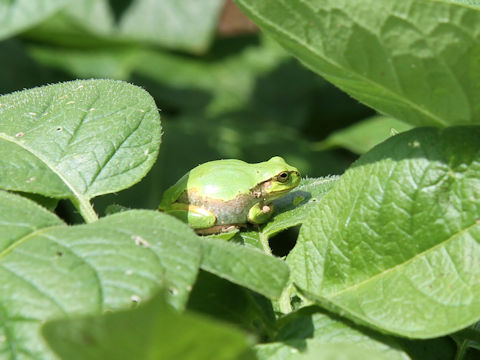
223 179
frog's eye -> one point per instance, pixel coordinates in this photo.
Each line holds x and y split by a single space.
283 177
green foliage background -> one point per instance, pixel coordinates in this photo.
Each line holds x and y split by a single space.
386 254
212 90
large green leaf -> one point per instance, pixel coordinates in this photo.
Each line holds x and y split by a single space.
415 60
395 244
77 139
245 266
49 270
153 331
18 15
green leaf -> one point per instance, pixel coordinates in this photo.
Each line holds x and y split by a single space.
414 60
14 210
174 244
248 267
18 15
395 244
77 139
232 303
340 352
319 352
307 329
155 331
292 209
467 2
93 15
185 25
179 24
50 270
362 136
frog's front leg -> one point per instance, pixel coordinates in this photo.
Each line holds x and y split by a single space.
260 213
195 216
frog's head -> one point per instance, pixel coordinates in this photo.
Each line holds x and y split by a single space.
283 178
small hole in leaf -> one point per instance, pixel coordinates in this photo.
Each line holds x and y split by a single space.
282 243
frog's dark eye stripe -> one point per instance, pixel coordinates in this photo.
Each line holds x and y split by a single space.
283 177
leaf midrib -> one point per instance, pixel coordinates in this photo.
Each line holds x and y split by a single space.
279 30
401 265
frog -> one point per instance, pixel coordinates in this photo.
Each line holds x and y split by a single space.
225 195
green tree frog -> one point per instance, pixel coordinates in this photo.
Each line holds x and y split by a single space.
222 195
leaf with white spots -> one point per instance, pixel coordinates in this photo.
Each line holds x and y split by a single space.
77 139
51 270
396 243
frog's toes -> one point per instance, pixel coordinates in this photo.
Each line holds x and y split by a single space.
266 209
217 229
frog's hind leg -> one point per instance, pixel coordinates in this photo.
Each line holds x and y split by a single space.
195 216
218 229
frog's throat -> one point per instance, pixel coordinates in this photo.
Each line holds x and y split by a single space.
274 195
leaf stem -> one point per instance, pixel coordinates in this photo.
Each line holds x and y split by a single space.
85 209
464 338
461 350
284 302
265 244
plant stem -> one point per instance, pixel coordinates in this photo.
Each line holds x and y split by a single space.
461 350
464 338
265 244
85 209
284 303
